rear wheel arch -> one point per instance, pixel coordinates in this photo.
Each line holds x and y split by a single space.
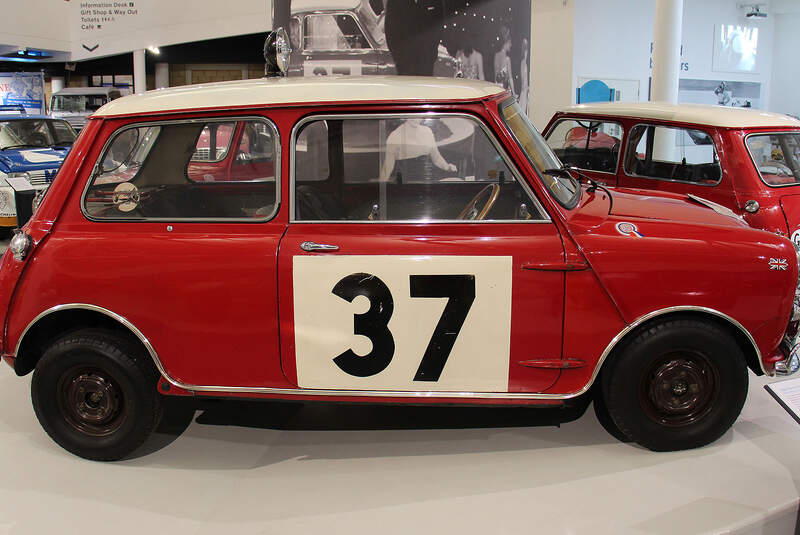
60 320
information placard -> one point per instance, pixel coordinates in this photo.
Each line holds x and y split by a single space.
101 28
787 394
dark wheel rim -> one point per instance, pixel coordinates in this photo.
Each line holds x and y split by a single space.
91 401
679 389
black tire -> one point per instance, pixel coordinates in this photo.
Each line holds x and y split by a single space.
601 411
94 392
676 385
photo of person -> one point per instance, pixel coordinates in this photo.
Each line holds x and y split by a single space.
409 147
475 39
502 61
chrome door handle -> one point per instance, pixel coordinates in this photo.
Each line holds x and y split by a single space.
314 246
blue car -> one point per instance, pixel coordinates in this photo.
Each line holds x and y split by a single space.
32 148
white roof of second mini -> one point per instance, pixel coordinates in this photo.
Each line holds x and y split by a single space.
301 90
721 116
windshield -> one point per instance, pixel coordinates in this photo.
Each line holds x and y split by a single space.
35 133
565 190
77 103
777 157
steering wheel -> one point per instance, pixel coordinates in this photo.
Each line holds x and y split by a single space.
471 211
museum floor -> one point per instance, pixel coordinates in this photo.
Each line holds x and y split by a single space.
267 467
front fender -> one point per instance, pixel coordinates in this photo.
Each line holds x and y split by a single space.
747 274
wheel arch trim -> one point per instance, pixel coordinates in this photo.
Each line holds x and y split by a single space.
671 310
94 308
290 392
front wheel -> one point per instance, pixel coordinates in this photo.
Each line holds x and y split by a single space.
94 392
676 385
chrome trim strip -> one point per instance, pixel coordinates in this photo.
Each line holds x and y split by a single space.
746 146
716 151
662 312
718 208
85 306
291 392
214 119
476 120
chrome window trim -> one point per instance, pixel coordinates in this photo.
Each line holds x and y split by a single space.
747 147
477 120
719 162
619 152
215 119
290 392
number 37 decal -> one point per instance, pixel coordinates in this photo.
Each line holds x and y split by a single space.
460 291
409 323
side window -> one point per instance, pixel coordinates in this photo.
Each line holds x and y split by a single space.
672 153
409 168
213 143
187 170
332 32
777 157
311 152
592 145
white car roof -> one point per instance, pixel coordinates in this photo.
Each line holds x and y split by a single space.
720 116
301 90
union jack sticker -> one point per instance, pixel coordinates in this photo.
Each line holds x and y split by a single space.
778 263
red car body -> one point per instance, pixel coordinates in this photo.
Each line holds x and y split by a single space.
774 199
213 305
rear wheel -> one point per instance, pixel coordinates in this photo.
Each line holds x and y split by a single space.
94 392
677 385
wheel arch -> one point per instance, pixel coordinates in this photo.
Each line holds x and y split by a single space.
740 334
61 319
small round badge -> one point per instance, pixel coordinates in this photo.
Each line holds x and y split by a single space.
126 197
628 229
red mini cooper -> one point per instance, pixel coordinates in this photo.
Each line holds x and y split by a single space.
746 160
385 239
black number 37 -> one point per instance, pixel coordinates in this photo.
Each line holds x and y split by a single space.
460 291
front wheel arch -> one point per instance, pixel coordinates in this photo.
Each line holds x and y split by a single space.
742 337
678 384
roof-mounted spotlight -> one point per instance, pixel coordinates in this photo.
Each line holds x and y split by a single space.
276 53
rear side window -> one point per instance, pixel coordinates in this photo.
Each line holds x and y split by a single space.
777 157
587 144
214 170
673 153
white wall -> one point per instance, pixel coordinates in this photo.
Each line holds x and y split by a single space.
612 41
551 58
698 39
786 72
35 24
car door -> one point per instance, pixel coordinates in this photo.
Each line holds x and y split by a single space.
412 260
